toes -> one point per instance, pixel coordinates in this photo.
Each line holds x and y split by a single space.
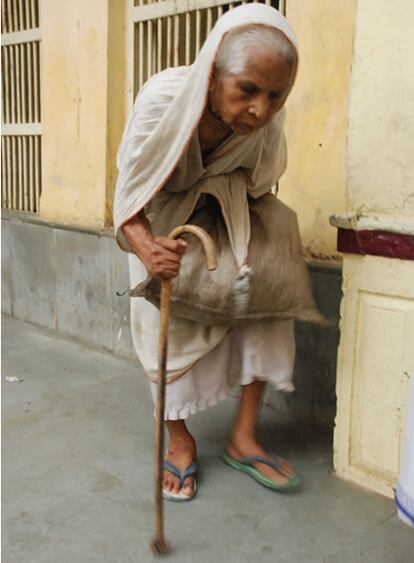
172 485
288 469
176 487
188 483
188 486
187 490
169 483
284 472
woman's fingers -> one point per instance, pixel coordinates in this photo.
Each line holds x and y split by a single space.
166 257
166 273
177 246
160 255
163 270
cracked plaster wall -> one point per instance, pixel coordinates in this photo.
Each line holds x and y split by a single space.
380 164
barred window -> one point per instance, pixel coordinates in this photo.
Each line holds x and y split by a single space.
21 111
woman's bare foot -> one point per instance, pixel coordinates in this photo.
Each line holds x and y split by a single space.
243 441
245 446
182 451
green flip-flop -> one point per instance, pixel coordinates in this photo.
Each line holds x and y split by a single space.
245 464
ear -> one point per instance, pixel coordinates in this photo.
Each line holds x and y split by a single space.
213 78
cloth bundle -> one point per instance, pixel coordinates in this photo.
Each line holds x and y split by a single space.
272 283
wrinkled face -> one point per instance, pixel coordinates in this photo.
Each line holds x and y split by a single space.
247 101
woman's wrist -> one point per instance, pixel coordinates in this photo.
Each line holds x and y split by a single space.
137 232
161 256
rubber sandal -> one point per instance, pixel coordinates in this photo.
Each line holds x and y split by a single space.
245 464
191 470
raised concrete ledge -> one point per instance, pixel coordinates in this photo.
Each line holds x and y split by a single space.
33 218
66 279
360 222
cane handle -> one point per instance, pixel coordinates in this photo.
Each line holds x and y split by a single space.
207 241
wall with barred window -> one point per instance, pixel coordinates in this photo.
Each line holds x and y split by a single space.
72 70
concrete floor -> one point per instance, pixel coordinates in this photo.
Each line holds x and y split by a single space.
78 466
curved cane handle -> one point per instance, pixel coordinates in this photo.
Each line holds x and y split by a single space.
208 243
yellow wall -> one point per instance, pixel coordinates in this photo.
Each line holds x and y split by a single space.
380 165
119 96
314 184
82 75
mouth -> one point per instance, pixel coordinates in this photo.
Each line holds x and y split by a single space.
245 127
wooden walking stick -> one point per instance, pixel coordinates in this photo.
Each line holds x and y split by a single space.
159 544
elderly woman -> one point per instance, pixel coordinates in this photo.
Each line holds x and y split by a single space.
194 126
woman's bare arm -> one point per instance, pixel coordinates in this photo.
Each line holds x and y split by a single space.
160 255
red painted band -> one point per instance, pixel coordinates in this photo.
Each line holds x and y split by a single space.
376 243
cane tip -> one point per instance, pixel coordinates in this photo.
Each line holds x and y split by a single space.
159 547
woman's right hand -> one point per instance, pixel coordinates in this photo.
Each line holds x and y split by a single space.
164 257
160 255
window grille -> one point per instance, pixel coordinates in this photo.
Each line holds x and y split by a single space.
171 32
21 111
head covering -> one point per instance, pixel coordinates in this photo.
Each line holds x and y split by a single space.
156 154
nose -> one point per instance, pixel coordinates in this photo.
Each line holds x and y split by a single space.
261 107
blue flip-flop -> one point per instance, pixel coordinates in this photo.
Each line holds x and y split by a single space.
246 465
189 471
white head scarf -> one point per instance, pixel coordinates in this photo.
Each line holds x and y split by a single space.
156 155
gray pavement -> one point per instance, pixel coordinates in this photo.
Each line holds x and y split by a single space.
78 474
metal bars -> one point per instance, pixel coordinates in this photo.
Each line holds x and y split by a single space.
171 32
19 15
21 110
21 172
20 83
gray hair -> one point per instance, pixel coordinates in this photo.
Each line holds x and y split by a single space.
238 45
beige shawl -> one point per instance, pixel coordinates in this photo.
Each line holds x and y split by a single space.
160 149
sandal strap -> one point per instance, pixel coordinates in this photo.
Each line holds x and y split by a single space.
172 468
275 462
188 471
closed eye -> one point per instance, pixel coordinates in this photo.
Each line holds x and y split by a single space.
275 95
248 88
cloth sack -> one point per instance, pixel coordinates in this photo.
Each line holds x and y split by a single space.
273 284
